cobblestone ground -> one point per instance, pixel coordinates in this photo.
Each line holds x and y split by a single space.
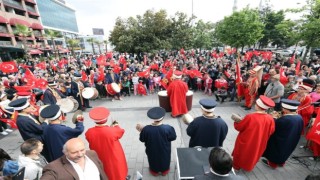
132 110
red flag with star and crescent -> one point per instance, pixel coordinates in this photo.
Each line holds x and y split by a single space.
42 65
29 77
41 83
8 67
314 132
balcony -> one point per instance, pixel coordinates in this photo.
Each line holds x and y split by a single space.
31 9
13 4
5 43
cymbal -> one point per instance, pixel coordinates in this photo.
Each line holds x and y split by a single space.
74 117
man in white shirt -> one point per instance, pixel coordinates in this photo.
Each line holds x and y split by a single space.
77 163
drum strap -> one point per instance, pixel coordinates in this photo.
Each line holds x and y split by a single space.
54 93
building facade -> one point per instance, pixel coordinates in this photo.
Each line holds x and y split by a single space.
57 15
86 46
24 12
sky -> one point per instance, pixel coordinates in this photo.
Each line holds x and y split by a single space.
102 13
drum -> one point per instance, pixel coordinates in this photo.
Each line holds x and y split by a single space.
112 88
189 97
164 101
187 118
66 105
89 93
75 103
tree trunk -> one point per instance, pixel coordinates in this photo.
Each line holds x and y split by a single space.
93 51
99 48
54 48
242 49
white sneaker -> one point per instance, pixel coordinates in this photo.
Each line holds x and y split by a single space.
4 133
8 130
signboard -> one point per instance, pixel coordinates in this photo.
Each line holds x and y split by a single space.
97 31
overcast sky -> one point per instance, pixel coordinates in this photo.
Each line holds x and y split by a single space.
102 13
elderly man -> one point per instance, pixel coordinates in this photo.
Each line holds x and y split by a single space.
76 163
274 91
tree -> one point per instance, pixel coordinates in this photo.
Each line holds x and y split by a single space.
23 32
288 30
98 43
310 31
52 35
243 28
203 35
72 44
92 41
181 31
105 42
270 33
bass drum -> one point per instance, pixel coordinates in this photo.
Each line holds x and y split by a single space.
66 105
112 88
90 93
75 103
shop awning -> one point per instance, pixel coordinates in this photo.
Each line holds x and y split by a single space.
14 21
62 51
33 14
36 26
5 35
27 38
34 51
30 1
3 20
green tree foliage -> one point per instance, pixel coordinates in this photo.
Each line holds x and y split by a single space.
271 34
52 35
240 29
73 43
23 32
152 32
203 35
181 31
288 30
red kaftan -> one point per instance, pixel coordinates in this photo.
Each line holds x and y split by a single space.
305 109
177 93
105 141
254 132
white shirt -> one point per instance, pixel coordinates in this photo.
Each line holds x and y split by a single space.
90 171
135 80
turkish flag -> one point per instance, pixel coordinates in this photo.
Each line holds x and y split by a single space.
221 54
116 69
167 63
194 73
248 55
182 51
298 67
163 71
53 67
8 67
214 54
109 55
239 78
42 65
101 60
145 73
41 83
101 74
28 75
87 63
23 88
314 132
24 66
122 60
155 67
293 57
84 76
283 77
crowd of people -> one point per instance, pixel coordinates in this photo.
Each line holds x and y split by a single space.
284 93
